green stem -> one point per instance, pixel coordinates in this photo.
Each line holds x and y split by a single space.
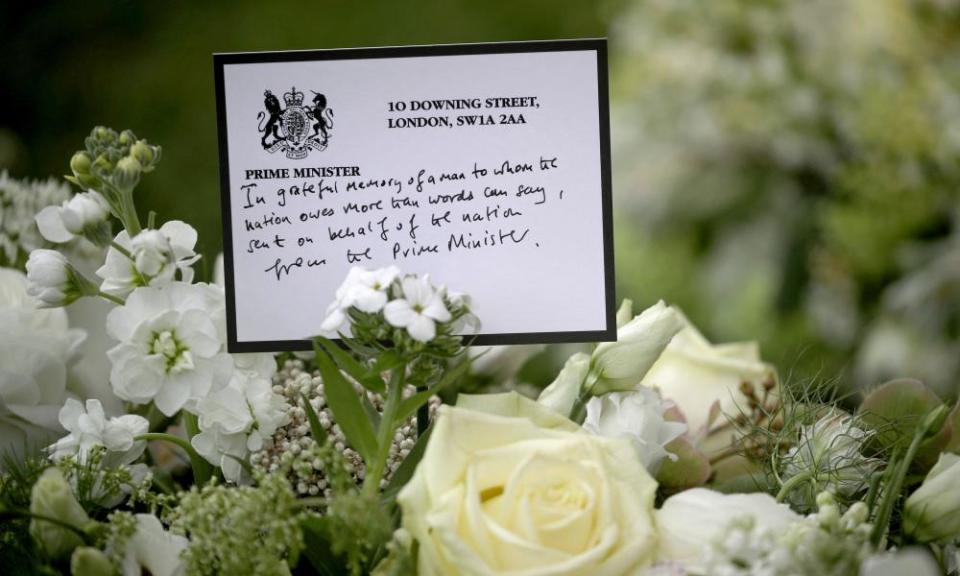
43 518
121 249
892 492
129 213
201 468
388 425
111 298
792 483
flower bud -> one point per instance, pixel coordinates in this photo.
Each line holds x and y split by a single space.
932 513
622 364
562 393
88 561
53 281
127 138
145 154
83 211
80 163
52 497
104 135
127 174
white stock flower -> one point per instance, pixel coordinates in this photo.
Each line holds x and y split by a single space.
239 418
622 364
363 289
53 281
81 213
690 521
171 345
154 549
153 258
638 417
38 354
88 427
419 309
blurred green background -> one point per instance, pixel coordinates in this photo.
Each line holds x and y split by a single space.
785 171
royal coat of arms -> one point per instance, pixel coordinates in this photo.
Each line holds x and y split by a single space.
296 129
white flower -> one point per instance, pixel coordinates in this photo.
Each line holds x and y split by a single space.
52 496
915 561
53 281
638 417
690 521
240 417
696 375
932 512
153 258
829 452
622 364
89 427
419 309
81 213
364 289
171 345
20 200
154 549
38 353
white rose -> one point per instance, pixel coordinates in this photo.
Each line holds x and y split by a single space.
38 353
171 345
152 258
637 417
82 212
692 520
696 374
501 495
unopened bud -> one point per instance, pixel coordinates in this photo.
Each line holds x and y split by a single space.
127 138
144 153
80 163
127 174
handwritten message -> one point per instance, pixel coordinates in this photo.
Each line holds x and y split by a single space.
392 217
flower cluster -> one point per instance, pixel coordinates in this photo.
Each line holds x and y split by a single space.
20 202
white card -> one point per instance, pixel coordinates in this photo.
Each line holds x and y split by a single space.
485 165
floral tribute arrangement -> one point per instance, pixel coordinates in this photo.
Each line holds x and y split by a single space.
657 454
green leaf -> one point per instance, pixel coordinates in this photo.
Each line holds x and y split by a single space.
347 409
896 409
316 429
316 547
371 380
406 469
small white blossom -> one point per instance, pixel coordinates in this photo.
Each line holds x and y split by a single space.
363 289
638 417
419 310
153 258
89 427
81 213
171 345
240 417
53 281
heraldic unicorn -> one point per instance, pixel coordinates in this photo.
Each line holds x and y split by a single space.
296 129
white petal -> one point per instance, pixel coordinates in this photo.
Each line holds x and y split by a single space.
50 224
422 329
399 313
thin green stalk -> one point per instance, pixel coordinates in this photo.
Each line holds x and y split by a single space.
43 518
111 298
388 425
121 249
892 492
792 483
129 213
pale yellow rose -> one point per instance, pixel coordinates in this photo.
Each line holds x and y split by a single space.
500 494
696 374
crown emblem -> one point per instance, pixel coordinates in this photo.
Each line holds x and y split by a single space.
293 97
